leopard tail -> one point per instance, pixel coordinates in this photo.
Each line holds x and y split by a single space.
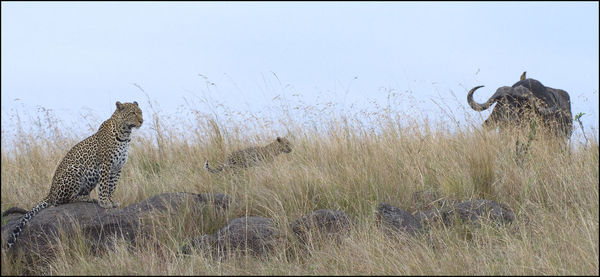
26 218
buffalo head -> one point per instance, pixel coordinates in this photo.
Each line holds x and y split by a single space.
526 98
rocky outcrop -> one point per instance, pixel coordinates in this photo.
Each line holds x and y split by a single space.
397 221
322 224
255 235
251 234
98 225
468 211
259 236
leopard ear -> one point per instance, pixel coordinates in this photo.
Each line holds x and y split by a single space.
135 102
119 105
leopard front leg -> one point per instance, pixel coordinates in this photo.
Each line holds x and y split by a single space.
106 187
113 179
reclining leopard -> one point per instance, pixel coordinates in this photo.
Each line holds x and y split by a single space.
252 155
97 160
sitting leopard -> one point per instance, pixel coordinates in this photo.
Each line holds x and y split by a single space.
252 155
97 160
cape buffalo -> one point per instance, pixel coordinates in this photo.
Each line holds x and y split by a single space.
526 98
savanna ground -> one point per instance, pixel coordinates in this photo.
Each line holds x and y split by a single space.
338 162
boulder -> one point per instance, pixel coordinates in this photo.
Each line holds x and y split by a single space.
98 225
322 224
255 235
468 211
394 220
16 211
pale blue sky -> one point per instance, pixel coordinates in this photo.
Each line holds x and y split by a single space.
83 56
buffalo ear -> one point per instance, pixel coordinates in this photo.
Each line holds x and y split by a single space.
523 75
119 105
502 92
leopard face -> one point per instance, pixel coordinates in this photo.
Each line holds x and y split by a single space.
284 145
129 115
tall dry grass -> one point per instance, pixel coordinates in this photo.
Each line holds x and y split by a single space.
338 162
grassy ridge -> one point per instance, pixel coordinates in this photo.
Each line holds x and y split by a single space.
349 166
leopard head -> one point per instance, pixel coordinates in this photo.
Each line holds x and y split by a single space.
129 115
284 145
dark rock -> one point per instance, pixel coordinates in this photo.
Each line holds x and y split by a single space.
14 210
256 235
98 225
13 213
322 224
40 236
172 201
471 211
395 220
